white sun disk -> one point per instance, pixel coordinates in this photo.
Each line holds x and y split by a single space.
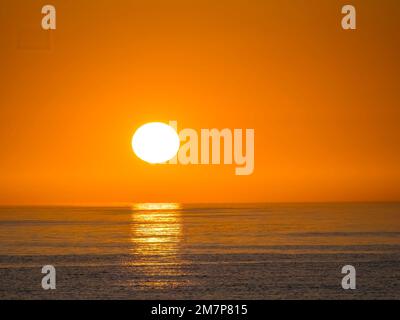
155 142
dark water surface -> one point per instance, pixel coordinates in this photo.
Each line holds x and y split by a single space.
173 251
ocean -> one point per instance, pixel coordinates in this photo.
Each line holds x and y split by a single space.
214 251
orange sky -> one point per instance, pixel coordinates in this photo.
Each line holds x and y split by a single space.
324 102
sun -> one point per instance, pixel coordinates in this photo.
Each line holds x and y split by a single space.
155 142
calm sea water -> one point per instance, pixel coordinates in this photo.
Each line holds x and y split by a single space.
173 251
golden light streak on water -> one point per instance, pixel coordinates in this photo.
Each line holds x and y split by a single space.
156 236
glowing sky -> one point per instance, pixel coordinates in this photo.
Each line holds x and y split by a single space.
324 102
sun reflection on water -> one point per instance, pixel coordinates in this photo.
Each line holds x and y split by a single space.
156 236
157 206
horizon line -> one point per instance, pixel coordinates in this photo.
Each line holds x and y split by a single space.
130 204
